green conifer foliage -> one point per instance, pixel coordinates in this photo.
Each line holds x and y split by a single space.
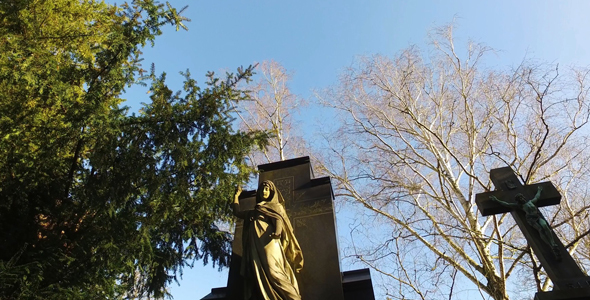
96 203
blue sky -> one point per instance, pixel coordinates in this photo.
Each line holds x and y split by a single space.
318 39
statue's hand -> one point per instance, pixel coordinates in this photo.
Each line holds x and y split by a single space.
539 188
238 190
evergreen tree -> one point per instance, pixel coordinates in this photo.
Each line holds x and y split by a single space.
96 203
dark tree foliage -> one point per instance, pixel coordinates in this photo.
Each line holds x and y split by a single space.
96 203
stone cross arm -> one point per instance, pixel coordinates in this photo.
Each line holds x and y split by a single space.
487 207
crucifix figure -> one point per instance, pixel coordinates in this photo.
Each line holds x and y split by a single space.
569 281
533 217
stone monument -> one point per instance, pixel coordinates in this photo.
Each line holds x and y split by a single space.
569 281
309 206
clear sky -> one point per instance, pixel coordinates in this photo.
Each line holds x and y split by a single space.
318 39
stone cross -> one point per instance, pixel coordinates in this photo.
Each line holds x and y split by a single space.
309 205
569 280
308 201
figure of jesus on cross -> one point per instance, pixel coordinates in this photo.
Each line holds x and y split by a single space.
570 281
533 217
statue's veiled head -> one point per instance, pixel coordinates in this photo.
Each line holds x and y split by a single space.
266 191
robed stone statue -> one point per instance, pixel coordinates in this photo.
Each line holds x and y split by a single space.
271 253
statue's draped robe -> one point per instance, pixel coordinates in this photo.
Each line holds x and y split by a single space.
269 265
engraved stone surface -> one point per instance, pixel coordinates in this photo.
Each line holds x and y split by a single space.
309 205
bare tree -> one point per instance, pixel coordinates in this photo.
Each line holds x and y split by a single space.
419 135
272 108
